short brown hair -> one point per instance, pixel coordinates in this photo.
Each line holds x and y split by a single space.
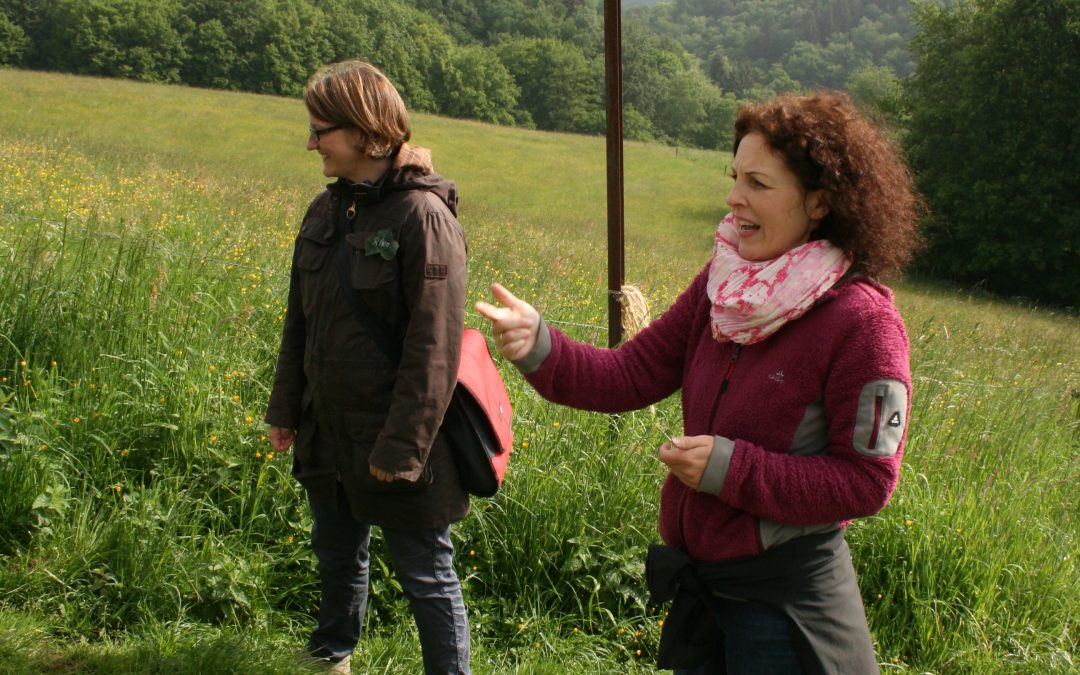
357 94
873 207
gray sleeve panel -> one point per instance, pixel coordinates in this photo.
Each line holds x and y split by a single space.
712 480
881 418
812 435
532 361
773 533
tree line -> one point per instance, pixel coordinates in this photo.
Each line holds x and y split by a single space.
993 133
982 92
757 48
515 62
531 63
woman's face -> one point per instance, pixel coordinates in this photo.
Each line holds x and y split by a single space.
337 146
772 209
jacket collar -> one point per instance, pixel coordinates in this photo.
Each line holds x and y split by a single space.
411 169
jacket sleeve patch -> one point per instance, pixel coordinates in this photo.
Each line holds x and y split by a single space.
435 271
881 418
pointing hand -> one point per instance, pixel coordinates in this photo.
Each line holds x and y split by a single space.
514 325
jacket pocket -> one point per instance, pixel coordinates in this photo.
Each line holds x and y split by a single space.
315 244
363 429
369 270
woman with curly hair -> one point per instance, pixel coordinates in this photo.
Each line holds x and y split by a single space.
793 365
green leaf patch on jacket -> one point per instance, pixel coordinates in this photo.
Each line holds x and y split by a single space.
381 243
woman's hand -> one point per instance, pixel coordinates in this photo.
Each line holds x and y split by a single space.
687 457
281 439
514 326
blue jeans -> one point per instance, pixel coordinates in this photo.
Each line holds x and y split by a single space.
757 641
423 564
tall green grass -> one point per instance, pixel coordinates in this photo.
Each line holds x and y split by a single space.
145 525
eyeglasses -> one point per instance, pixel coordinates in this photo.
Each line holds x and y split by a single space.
317 133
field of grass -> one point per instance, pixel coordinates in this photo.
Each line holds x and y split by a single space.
145 525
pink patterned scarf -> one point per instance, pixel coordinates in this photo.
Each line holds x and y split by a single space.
752 300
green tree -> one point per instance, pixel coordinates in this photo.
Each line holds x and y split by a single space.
13 41
474 84
818 43
809 62
33 19
878 88
278 43
212 56
717 129
680 105
349 33
646 66
666 84
995 139
407 45
560 89
124 38
636 127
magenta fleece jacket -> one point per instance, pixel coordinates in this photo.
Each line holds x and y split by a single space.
809 424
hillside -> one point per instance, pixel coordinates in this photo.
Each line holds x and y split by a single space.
146 526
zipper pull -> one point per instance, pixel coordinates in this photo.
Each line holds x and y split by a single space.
731 367
352 210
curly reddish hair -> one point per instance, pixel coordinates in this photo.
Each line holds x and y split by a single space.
873 207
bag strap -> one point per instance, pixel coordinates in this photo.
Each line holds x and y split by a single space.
379 330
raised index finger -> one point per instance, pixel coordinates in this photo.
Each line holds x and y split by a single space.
504 296
491 312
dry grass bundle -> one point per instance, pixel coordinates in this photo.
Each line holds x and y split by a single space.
635 310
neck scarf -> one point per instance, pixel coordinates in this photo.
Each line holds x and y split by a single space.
752 300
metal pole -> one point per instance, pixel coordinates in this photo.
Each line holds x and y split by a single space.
613 77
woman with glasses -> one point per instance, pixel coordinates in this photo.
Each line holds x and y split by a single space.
367 365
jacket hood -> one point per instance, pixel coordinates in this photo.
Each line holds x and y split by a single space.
411 170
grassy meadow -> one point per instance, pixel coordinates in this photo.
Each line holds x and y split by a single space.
146 526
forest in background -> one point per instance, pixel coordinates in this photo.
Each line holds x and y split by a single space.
529 63
974 89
